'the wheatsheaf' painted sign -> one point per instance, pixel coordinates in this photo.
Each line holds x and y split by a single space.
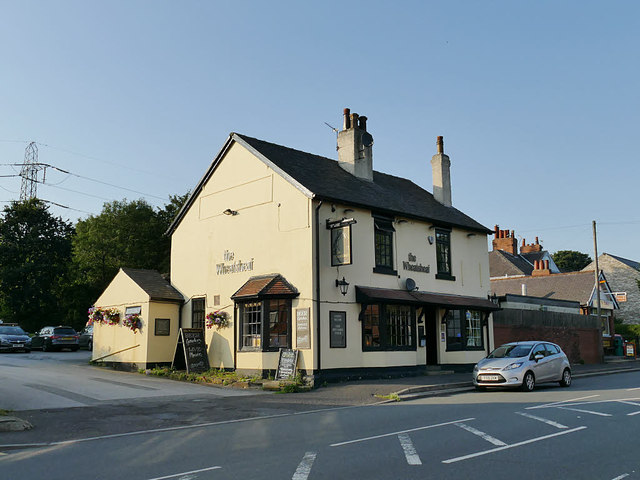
230 265
413 267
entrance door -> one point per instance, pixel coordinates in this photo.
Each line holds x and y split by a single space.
431 330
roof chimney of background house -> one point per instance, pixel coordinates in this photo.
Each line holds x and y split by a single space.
540 268
505 241
531 248
355 146
440 168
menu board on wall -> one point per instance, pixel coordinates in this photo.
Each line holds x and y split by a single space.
303 334
191 351
338 329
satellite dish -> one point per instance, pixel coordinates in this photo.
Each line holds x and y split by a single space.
410 284
367 139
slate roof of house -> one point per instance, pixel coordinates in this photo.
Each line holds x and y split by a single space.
322 178
154 285
630 263
576 286
505 264
264 286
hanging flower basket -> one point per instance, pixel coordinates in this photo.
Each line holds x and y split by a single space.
111 316
217 319
96 315
133 322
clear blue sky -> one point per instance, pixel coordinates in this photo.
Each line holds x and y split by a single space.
538 102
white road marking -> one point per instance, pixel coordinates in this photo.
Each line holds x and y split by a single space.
186 473
554 404
586 411
409 450
519 444
631 389
304 469
544 420
483 435
632 414
621 477
626 402
398 433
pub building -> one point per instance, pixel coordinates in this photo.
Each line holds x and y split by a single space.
363 273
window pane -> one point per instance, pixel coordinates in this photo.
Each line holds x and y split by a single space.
279 315
474 328
399 325
197 313
443 251
252 324
371 326
383 246
454 330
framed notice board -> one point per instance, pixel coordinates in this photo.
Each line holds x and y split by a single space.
338 329
303 335
191 351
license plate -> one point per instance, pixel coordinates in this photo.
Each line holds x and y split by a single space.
489 378
67 338
17 345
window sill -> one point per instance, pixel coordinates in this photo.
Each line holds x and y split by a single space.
385 271
467 349
445 276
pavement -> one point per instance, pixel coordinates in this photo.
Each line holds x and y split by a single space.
360 392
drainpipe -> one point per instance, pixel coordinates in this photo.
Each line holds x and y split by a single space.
317 260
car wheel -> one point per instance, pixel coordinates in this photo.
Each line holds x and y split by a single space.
566 378
90 345
27 350
529 382
44 347
74 349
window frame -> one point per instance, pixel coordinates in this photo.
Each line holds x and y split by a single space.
442 273
197 322
383 325
383 229
264 336
461 330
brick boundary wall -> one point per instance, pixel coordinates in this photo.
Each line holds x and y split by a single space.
578 335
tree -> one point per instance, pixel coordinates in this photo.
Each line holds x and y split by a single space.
571 260
35 251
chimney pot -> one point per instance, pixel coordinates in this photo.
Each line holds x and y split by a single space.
523 242
440 143
363 123
546 264
537 241
354 120
513 233
347 119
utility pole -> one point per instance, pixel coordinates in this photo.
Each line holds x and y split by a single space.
29 173
597 274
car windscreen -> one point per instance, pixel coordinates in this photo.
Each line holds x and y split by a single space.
64 331
11 331
510 351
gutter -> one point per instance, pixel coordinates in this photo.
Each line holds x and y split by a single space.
317 262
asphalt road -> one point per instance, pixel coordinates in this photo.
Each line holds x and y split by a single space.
588 431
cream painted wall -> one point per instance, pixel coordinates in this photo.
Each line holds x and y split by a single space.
122 292
272 230
161 348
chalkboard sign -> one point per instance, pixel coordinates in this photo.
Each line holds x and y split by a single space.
191 351
338 329
287 364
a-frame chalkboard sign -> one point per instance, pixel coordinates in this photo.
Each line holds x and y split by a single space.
287 363
191 351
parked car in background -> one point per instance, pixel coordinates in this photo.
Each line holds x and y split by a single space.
523 364
86 338
13 338
55 338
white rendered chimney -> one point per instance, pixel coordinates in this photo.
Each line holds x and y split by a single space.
440 167
355 146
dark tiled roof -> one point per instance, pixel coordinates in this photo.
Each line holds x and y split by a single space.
154 285
373 294
630 263
576 286
266 286
505 264
327 180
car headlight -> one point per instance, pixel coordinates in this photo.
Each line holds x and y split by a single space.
475 368
513 365
4 342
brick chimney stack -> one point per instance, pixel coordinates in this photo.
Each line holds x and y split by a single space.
540 268
441 171
531 248
505 241
355 146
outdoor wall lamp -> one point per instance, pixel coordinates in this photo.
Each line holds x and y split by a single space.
228 211
343 285
430 239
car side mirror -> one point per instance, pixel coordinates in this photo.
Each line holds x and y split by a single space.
539 357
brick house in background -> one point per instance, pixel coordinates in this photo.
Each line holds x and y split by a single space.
623 275
506 261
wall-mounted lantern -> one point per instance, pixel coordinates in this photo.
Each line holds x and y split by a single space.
343 285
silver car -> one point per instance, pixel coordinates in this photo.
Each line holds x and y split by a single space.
523 364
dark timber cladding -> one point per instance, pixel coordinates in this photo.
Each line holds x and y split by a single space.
368 295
